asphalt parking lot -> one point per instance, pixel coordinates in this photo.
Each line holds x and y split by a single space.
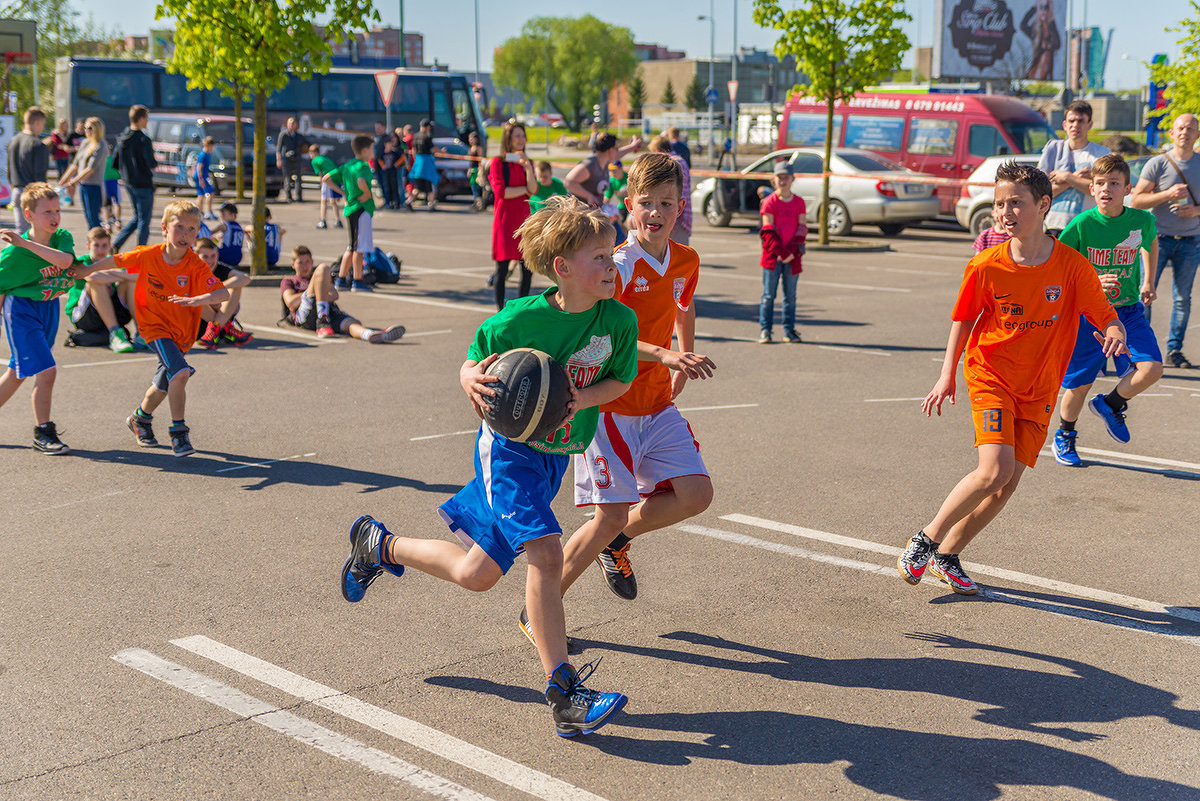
172 628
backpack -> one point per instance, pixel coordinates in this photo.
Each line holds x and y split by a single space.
384 268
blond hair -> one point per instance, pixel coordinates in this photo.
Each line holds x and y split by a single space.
97 233
560 228
652 170
32 193
177 208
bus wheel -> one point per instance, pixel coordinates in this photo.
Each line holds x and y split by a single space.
839 223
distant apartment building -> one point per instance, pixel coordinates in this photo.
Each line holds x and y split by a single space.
379 47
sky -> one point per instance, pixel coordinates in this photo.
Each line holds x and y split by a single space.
449 30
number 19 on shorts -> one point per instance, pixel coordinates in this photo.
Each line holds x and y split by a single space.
992 420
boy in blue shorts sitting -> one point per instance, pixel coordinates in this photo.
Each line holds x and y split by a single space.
203 178
32 276
1112 237
506 510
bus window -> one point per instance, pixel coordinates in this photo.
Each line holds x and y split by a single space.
341 92
411 97
932 136
114 89
214 99
874 133
808 130
443 111
986 140
174 94
464 112
296 95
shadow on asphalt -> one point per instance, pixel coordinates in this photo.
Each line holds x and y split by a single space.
292 471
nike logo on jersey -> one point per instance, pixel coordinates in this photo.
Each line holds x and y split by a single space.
1002 297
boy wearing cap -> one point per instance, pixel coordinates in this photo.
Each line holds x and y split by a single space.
783 233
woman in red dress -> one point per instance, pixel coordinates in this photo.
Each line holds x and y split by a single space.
513 180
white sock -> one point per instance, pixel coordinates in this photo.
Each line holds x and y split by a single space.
365 336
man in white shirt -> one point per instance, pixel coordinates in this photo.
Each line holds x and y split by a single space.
1069 165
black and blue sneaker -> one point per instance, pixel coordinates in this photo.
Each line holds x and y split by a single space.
365 562
1113 421
1064 448
578 710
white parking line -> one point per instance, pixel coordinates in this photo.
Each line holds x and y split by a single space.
410 244
460 752
471 307
891 400
1102 596
439 436
134 360
410 335
298 333
727 406
854 350
263 464
1135 458
294 726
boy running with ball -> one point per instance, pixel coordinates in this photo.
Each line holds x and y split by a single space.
1016 317
506 510
1122 244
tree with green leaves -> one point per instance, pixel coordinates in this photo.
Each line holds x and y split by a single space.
637 94
570 61
843 46
1182 76
668 95
693 98
262 43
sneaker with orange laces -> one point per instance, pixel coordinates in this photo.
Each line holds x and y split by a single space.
210 338
618 572
235 335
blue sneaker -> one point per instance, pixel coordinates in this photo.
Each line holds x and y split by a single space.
1064 448
341 283
578 710
361 286
1113 421
365 562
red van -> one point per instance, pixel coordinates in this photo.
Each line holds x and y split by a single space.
945 135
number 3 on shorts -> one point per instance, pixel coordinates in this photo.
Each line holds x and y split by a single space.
603 479
991 420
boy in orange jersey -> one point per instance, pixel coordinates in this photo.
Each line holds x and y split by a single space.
643 469
173 284
1016 315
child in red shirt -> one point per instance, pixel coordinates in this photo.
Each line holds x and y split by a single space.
783 233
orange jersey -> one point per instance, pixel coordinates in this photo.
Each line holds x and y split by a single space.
1028 321
654 291
157 317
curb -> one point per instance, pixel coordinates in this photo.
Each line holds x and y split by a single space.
846 246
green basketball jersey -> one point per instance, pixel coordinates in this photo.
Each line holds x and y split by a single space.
27 276
1113 245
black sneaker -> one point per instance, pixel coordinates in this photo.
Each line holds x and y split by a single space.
949 569
578 710
141 427
180 444
915 557
1176 359
573 648
45 440
365 562
618 572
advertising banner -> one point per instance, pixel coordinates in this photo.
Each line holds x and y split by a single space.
1000 40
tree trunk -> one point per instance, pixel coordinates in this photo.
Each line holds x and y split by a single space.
240 180
258 256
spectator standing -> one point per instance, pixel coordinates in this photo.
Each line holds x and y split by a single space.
403 157
289 156
1169 185
378 152
133 157
679 148
393 154
61 151
28 160
1068 162
476 153
683 225
87 171
512 179
588 179
424 174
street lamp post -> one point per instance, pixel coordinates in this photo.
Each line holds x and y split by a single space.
712 48
733 71
1141 94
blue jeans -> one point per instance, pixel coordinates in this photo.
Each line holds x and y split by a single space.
1183 253
91 198
142 200
766 309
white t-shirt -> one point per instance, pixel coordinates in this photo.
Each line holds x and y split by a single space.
1057 219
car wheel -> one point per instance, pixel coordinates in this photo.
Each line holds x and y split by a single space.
981 220
891 229
839 223
273 193
717 219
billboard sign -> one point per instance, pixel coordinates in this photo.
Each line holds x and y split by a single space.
1000 40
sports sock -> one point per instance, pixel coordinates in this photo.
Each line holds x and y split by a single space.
114 330
142 414
178 424
619 542
365 336
385 549
1063 425
1115 401
322 308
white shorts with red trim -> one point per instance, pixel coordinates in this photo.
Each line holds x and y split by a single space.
633 457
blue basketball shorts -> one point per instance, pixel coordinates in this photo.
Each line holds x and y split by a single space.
170 362
203 186
30 326
1088 360
508 502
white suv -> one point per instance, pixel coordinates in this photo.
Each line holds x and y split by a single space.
974 207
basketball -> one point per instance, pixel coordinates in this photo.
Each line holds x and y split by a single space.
531 396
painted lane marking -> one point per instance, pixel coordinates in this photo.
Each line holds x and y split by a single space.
134 360
891 400
264 464
727 406
408 335
409 244
439 436
993 593
808 282
719 336
470 307
301 729
1089 593
1134 457
307 337
438 743
843 349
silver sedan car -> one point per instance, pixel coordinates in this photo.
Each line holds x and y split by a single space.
886 195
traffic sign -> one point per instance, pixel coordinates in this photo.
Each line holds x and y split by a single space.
732 85
386 81
711 96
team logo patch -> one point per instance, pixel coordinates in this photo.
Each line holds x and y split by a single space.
182 280
1053 293
679 285
640 284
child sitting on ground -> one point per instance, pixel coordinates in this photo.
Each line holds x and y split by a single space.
310 301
